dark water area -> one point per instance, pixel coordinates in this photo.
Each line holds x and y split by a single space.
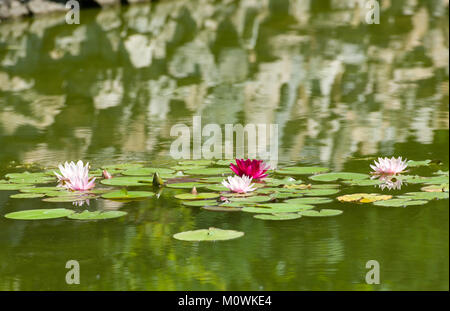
342 92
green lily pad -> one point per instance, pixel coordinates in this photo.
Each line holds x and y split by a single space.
278 216
211 234
302 170
217 188
25 175
363 182
222 208
199 162
339 176
309 200
403 202
224 162
266 210
125 195
33 180
412 163
145 171
211 180
15 186
41 189
284 195
128 181
319 192
26 195
436 188
287 206
87 215
200 203
198 196
322 213
186 167
37 214
65 199
425 195
273 182
251 199
209 171
122 166
186 185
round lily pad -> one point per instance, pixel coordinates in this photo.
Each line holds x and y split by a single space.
200 203
364 197
217 188
211 234
186 167
302 170
224 162
436 188
321 213
26 195
251 199
122 166
309 200
126 195
186 185
35 214
287 206
412 163
199 162
425 195
128 181
400 202
339 176
145 171
64 199
363 182
211 180
267 210
279 216
87 215
198 196
41 189
222 208
319 192
15 186
209 171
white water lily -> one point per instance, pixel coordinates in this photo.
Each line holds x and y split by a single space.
386 166
239 184
75 176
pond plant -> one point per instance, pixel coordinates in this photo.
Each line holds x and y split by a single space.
254 188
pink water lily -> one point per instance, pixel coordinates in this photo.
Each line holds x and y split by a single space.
252 168
239 184
386 166
75 176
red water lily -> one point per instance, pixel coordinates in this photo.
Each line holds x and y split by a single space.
251 168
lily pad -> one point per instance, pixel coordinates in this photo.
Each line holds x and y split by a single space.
319 192
222 208
15 186
128 181
26 196
41 189
87 215
209 171
309 200
200 203
364 197
287 206
186 185
278 216
186 167
199 162
412 163
211 180
436 188
266 210
65 199
126 195
339 176
217 188
37 214
145 171
122 166
211 234
425 195
363 182
273 182
322 213
198 196
302 170
400 202
251 199
224 162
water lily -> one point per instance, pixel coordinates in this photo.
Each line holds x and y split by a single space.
106 174
239 184
75 176
386 166
253 168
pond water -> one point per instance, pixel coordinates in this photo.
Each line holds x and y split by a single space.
341 91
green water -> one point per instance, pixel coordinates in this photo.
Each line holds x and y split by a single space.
342 92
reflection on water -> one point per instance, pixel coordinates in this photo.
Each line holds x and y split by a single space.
110 89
